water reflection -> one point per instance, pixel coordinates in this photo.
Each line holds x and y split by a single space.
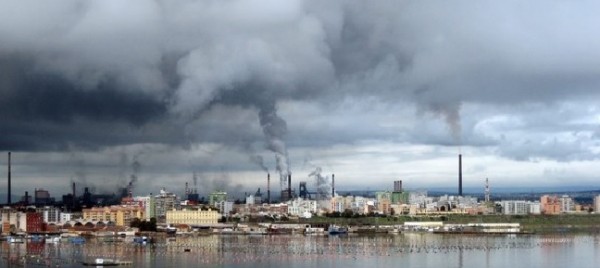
411 249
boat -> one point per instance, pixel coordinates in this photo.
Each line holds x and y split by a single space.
256 232
53 240
313 230
15 239
171 230
77 240
334 230
106 262
140 239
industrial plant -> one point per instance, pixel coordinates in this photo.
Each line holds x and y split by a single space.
317 197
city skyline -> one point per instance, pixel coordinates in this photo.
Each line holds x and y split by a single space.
370 92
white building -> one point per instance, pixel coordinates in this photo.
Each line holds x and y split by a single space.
300 207
225 207
566 204
164 202
66 217
520 207
514 207
419 198
535 208
597 204
149 205
50 214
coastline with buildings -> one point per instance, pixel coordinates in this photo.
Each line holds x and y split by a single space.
386 211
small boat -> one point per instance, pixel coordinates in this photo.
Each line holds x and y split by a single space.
140 239
334 229
313 230
77 240
15 239
106 262
171 230
53 240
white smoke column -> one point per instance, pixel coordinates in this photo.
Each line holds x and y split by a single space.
275 128
260 161
323 187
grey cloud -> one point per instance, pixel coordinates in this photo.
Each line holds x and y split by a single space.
160 71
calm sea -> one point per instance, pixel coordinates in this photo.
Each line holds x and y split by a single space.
402 250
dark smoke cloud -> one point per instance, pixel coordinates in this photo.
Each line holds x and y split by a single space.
95 74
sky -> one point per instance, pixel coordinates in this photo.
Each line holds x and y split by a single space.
107 92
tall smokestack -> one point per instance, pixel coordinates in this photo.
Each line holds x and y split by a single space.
268 188
9 189
460 191
332 185
74 195
289 186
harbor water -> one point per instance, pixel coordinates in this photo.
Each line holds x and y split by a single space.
401 250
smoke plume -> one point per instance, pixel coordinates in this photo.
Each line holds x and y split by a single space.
259 160
322 183
274 129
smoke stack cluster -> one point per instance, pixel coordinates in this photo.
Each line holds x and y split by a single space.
460 190
8 201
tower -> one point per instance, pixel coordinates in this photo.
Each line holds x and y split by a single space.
9 189
487 190
460 190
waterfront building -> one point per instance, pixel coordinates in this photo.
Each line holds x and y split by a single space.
193 216
514 207
419 198
50 214
597 204
225 207
164 202
120 215
550 205
535 208
70 216
338 204
566 204
149 205
299 207
34 222
13 220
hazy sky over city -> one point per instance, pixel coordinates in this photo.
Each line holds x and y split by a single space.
373 91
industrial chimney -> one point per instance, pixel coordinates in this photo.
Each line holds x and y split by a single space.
9 189
74 195
460 190
332 185
289 186
268 188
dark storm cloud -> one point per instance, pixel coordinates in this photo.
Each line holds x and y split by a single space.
137 67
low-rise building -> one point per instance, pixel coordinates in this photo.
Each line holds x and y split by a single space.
120 215
299 207
193 217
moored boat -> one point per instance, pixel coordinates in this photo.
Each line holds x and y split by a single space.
106 262
334 229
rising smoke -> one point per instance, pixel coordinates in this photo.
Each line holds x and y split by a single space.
274 129
260 161
323 184
136 66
